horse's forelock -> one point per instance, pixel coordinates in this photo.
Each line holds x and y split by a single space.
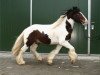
76 9
69 13
72 11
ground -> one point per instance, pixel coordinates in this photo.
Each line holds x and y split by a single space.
86 65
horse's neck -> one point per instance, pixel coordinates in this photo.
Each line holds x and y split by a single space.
61 20
71 21
58 22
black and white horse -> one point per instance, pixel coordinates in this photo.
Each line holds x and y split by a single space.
58 33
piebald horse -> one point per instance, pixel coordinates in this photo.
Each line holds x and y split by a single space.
58 33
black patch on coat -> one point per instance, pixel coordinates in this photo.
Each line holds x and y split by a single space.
69 29
36 36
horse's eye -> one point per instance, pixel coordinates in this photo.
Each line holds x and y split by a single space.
78 14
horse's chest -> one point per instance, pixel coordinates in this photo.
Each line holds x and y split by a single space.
69 30
57 34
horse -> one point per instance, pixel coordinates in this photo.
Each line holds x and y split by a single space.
57 33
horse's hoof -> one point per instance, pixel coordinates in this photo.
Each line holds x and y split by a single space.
21 62
72 62
50 64
72 57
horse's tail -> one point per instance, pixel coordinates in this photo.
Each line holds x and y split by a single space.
18 44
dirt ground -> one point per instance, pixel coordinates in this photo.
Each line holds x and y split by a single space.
8 66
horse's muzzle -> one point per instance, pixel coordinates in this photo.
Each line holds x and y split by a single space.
85 23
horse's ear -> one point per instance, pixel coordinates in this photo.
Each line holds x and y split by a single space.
75 8
69 13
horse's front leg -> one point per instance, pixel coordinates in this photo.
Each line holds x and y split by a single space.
72 54
52 54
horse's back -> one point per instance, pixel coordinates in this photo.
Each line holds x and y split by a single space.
41 28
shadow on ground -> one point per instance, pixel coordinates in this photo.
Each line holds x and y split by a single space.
8 66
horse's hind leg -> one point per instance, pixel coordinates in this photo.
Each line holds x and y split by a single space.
35 53
19 58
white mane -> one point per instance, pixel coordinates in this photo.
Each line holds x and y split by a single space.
58 22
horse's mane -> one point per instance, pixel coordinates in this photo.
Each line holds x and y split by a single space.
67 13
73 10
58 22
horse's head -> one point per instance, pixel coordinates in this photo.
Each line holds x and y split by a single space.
76 15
